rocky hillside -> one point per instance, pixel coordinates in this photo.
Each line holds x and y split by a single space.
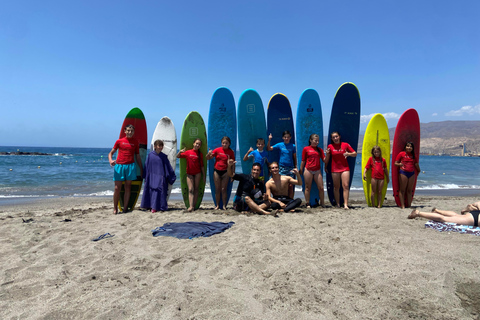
446 137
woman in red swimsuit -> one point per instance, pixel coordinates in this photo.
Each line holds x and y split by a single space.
195 171
220 177
339 152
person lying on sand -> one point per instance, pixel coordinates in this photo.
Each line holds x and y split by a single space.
468 217
472 207
278 189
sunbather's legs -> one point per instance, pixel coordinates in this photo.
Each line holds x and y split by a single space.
457 218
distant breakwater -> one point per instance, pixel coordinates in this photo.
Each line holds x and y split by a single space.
21 153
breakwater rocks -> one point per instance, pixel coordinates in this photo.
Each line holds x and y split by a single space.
21 153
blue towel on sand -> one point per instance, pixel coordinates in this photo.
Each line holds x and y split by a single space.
190 230
452 227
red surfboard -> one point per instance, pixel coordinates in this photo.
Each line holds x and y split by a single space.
408 129
136 118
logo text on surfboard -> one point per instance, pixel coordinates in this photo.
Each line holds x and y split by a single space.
284 118
193 131
250 108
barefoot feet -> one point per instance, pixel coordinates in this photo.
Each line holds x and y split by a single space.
413 214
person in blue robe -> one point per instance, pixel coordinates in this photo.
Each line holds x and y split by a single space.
158 174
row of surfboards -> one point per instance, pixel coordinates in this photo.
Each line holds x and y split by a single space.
249 121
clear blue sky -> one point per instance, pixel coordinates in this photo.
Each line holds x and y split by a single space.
71 70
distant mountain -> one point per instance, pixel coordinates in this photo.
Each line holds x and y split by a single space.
445 137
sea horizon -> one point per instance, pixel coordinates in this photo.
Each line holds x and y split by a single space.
85 172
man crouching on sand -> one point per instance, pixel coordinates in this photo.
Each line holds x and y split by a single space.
277 189
249 194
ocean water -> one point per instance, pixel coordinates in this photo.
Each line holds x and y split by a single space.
85 172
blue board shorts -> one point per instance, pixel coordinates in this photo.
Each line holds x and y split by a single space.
286 171
125 172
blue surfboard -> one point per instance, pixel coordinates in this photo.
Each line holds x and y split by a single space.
309 120
222 121
345 119
251 125
279 119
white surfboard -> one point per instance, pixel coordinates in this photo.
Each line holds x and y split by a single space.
165 131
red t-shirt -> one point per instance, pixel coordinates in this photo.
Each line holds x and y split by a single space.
339 162
127 148
194 161
311 156
377 165
408 161
221 157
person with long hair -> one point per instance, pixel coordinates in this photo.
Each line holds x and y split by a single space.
378 165
195 171
220 177
407 163
312 156
338 152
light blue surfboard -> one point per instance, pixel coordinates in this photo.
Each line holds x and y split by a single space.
279 119
251 125
309 120
344 119
222 121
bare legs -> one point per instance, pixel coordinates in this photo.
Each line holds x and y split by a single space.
309 177
193 182
377 187
344 179
116 196
258 208
126 196
221 184
406 187
444 216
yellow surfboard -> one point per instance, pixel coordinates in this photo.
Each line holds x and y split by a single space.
375 135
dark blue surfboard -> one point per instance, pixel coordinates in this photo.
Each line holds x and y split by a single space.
279 119
345 119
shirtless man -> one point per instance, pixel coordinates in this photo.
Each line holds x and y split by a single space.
277 189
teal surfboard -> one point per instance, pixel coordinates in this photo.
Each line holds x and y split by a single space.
309 120
251 125
279 119
193 128
344 119
222 121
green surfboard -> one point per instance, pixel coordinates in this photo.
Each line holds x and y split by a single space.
193 128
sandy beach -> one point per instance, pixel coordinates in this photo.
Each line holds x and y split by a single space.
365 263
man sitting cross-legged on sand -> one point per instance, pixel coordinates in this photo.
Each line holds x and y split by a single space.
250 195
277 189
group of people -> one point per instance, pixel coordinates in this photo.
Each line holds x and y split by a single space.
255 191
256 194
158 173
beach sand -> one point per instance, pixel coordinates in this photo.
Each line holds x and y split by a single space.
365 263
